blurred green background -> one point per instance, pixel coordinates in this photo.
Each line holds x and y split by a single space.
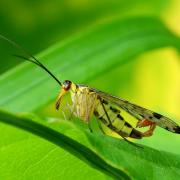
36 25
152 80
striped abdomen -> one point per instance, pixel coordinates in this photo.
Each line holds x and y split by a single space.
113 119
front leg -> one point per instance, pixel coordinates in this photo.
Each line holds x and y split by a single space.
108 118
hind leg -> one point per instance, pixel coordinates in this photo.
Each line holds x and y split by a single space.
89 126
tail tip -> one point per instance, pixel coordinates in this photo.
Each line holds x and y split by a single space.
177 129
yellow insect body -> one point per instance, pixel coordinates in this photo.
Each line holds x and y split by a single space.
84 102
87 101
112 119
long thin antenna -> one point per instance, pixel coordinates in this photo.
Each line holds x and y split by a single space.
30 58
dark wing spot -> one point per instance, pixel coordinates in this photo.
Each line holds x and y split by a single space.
127 124
114 110
156 115
167 128
177 129
142 115
103 120
120 117
126 109
91 90
104 102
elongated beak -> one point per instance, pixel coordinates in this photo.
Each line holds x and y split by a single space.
61 94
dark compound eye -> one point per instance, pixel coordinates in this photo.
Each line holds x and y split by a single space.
67 85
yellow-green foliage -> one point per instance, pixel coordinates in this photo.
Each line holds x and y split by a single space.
126 48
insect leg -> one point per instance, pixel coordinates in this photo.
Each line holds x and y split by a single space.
100 127
110 123
89 126
64 114
134 144
128 140
113 128
71 109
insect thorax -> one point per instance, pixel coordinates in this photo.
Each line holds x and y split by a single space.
84 103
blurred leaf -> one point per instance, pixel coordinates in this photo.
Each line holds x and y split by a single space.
114 157
38 24
82 57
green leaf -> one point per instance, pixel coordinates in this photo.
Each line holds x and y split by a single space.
116 158
80 58
36 147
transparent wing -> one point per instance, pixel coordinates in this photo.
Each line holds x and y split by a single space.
141 113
